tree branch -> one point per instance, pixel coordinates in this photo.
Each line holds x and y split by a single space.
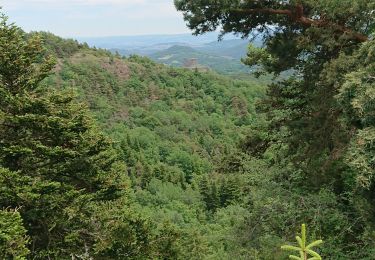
297 15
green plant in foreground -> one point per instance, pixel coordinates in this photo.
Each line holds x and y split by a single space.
304 250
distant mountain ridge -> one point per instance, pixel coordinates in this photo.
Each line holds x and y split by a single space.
222 56
122 42
177 55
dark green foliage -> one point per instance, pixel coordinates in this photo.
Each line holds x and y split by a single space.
219 192
54 163
229 191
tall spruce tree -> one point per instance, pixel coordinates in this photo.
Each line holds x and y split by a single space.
54 164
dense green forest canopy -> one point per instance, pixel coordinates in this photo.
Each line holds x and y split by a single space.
106 157
117 158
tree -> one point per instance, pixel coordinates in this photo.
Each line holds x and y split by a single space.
303 39
304 249
204 187
55 165
319 129
356 97
13 238
229 191
244 16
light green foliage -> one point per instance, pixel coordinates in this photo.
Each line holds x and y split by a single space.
13 238
57 46
304 249
172 124
357 98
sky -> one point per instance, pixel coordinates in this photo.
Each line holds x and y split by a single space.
93 18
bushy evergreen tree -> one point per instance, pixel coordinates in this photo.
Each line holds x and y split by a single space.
13 238
55 164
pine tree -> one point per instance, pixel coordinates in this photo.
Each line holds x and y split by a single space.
304 249
205 191
214 201
13 238
228 191
223 192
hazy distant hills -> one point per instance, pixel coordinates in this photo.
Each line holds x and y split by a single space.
141 41
235 48
221 62
223 56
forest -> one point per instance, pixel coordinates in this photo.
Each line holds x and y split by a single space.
110 157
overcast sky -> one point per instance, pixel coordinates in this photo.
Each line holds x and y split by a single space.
69 18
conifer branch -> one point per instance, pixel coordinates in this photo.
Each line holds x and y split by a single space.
304 249
297 15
